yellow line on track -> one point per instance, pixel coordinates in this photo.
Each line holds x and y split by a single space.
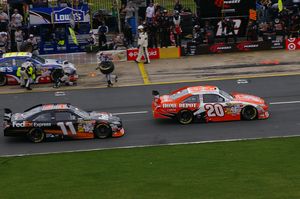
144 73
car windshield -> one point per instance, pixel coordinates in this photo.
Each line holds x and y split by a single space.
39 59
179 94
226 95
31 112
80 112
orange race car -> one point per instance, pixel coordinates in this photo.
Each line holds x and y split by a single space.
61 121
208 103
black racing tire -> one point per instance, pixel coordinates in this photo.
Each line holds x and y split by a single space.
106 67
249 113
102 131
56 74
3 79
36 135
185 117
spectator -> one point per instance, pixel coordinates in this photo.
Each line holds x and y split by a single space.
178 7
164 29
128 35
209 32
18 18
279 28
252 31
122 13
130 9
19 38
150 11
228 29
3 42
102 30
32 40
3 21
177 29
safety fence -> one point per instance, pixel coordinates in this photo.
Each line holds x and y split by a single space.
167 4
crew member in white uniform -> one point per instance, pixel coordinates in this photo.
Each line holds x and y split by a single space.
143 45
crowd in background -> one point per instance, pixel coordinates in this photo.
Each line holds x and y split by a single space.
14 34
164 27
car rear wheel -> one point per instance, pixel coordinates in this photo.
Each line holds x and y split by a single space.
102 131
36 135
3 79
249 113
185 117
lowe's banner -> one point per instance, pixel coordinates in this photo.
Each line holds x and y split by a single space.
58 15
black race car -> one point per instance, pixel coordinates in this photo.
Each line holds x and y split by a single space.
61 121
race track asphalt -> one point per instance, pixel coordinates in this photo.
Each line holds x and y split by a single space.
134 107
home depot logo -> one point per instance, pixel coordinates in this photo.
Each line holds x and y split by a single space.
226 3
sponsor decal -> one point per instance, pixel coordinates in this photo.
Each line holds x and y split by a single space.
22 124
293 44
115 55
169 106
41 124
86 126
133 53
188 105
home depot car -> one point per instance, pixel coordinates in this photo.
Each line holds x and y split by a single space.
46 69
208 103
61 121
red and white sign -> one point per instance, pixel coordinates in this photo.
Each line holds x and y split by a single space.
133 53
293 44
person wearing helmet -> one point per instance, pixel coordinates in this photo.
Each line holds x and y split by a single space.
177 29
34 43
91 40
142 45
26 73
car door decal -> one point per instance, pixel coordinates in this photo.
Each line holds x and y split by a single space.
63 126
214 110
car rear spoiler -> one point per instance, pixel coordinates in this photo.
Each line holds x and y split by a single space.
7 114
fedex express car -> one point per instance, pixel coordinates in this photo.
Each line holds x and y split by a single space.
208 103
46 69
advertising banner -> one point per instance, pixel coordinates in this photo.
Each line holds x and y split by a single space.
293 44
115 55
58 15
133 53
244 46
219 8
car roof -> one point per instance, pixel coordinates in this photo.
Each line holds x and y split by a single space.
17 54
203 89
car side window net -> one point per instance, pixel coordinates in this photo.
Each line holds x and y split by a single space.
212 98
192 99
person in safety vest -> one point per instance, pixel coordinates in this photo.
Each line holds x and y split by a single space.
26 73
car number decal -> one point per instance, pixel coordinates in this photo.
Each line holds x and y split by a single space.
214 110
63 127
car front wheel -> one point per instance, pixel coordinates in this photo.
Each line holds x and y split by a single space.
249 113
102 131
185 117
36 135
3 79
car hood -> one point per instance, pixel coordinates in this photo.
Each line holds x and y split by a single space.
63 63
247 98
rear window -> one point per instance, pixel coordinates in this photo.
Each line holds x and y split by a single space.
179 94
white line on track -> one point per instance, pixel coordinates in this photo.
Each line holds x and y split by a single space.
290 102
151 145
131 113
